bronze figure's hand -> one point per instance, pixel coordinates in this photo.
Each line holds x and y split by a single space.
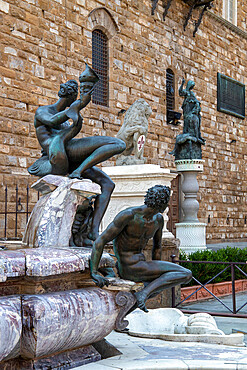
73 111
85 99
99 280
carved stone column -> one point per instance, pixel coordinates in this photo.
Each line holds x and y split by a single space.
191 232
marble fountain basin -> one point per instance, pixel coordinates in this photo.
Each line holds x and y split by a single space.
50 309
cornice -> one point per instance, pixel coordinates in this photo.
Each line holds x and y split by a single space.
227 24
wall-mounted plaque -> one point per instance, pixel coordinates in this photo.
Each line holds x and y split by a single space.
230 96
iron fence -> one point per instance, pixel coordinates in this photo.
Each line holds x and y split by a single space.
15 212
234 311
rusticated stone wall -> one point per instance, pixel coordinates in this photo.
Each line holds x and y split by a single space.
44 43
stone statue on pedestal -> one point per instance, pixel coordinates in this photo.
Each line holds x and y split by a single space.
62 154
188 144
133 132
130 231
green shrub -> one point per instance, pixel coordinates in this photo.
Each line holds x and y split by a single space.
204 272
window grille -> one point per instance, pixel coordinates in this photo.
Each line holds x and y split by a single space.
100 66
170 90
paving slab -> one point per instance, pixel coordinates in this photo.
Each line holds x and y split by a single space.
151 354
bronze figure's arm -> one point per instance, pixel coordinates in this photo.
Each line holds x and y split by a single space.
111 232
157 240
44 117
182 91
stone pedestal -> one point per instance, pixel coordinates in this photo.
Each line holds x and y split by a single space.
190 232
51 311
51 220
132 182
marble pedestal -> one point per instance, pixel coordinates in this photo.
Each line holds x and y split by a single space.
50 222
132 183
190 232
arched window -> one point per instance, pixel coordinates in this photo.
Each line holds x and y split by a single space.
100 66
170 93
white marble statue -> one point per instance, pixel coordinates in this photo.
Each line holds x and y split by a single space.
133 132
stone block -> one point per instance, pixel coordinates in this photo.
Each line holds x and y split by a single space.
4 6
42 262
10 327
51 220
13 262
132 183
67 359
203 293
186 292
55 261
221 289
65 320
238 285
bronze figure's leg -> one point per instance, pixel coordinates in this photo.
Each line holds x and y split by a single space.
102 200
58 157
158 275
92 150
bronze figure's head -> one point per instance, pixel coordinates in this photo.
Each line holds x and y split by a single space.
158 197
69 89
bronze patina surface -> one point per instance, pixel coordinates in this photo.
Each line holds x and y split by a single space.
130 231
63 154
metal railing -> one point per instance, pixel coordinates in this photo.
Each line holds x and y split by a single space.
15 210
234 311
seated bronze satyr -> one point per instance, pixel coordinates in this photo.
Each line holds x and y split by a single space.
62 154
130 231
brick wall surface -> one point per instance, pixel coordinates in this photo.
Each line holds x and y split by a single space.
44 43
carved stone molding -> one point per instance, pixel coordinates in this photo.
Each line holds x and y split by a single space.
132 182
126 301
101 18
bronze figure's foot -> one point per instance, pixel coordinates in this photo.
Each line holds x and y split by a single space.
75 175
100 280
140 301
87 243
93 235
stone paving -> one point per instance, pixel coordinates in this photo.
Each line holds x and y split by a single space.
213 305
152 354
217 246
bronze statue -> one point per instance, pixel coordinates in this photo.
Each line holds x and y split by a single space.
62 154
188 144
130 231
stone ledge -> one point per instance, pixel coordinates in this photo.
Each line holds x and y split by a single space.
228 24
41 262
34 326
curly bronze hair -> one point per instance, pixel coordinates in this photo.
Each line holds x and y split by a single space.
157 197
68 88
